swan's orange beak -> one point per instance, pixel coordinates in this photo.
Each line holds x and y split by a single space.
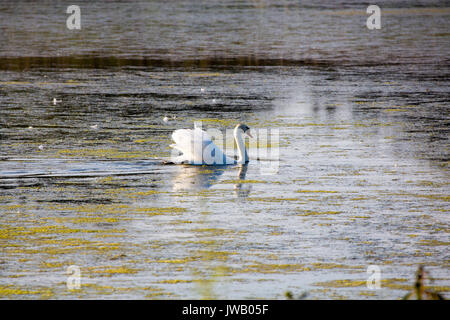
248 133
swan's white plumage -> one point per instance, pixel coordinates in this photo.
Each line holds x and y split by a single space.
197 148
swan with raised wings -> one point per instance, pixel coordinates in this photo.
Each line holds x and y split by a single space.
197 147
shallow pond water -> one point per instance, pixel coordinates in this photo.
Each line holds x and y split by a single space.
361 172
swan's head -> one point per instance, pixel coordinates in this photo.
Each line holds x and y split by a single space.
244 128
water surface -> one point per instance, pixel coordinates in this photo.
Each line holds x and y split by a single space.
363 152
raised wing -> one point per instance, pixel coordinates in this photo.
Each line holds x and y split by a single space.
197 148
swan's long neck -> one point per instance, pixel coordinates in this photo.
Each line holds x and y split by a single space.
243 157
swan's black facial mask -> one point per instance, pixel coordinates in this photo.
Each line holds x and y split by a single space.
247 131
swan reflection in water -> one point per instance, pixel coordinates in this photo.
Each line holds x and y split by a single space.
203 177
241 189
196 177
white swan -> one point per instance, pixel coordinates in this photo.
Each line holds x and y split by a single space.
198 149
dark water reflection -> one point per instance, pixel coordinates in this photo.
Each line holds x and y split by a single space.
205 33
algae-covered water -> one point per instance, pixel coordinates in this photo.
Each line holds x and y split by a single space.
362 165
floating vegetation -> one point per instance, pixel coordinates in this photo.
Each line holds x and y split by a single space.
317 213
49 229
320 265
10 291
272 268
316 191
242 181
175 281
143 193
110 270
177 261
346 283
106 154
158 211
272 199
433 243
206 74
394 110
